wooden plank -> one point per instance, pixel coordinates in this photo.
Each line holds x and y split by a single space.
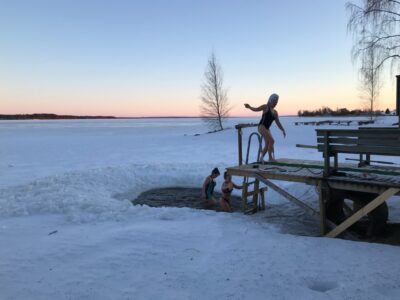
318 164
246 125
306 146
365 149
305 176
358 133
360 186
387 150
379 142
312 180
382 170
378 128
363 211
361 128
375 141
384 150
288 196
338 140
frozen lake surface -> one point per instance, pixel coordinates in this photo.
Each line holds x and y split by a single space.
74 179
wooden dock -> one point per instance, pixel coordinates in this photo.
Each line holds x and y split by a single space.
369 179
378 183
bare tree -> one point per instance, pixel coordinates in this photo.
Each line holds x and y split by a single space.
375 24
370 80
215 106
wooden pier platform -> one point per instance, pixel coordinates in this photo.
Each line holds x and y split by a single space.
379 180
370 184
370 179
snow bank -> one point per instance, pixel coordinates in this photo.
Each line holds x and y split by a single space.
99 194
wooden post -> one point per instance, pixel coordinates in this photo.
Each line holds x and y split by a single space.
336 163
363 211
239 130
255 194
326 155
324 195
244 195
367 159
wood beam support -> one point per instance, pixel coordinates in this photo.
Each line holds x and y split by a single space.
363 211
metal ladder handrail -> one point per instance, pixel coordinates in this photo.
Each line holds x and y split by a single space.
246 179
259 146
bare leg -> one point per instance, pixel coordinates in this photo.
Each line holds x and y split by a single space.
211 202
263 132
224 205
271 150
269 142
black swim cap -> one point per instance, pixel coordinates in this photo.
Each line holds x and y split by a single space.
215 171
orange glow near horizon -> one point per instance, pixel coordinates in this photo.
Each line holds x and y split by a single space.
126 105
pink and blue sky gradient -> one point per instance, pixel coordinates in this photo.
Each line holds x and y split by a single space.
147 58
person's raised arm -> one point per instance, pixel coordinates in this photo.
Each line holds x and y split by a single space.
278 123
260 108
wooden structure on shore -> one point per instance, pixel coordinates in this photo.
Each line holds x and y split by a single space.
382 182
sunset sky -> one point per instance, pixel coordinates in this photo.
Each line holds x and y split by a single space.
147 58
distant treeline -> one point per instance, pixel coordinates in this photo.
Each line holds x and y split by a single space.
326 111
49 117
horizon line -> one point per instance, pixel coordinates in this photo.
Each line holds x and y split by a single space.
132 117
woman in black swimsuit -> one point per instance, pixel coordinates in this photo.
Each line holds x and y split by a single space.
268 117
226 189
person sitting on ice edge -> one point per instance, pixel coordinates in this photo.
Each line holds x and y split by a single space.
268 117
207 190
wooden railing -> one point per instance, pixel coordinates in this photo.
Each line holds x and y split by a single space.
368 141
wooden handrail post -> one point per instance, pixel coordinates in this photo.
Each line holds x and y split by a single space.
239 130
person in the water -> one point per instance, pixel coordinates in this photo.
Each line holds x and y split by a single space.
227 187
207 190
268 117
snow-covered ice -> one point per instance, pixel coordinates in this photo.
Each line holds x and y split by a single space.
74 179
